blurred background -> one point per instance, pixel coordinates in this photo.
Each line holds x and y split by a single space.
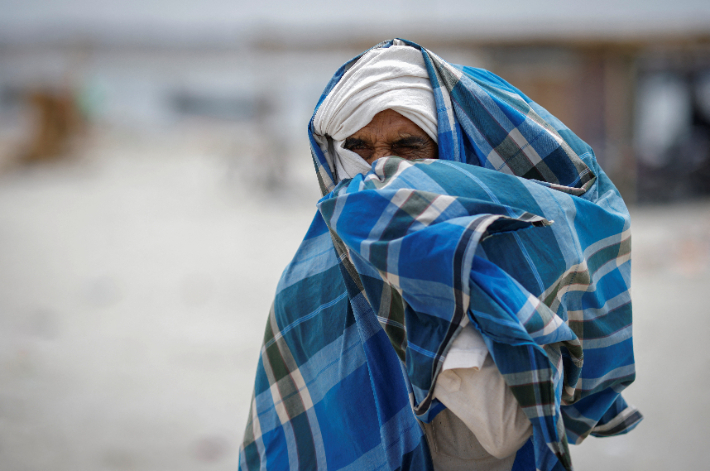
155 178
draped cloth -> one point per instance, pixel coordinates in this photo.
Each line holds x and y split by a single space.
515 228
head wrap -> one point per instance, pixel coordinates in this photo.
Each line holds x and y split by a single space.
386 78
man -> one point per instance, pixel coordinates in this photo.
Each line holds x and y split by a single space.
466 249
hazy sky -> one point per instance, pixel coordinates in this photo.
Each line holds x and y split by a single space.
97 16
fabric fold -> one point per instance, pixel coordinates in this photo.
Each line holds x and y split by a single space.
399 258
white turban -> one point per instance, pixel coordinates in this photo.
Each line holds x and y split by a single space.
392 78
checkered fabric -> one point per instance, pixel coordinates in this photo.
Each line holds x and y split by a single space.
515 226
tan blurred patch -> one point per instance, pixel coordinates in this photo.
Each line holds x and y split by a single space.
56 121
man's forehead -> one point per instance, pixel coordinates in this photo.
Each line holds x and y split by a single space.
388 124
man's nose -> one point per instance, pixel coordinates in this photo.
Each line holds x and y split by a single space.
382 151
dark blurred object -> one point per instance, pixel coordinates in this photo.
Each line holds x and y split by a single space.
673 127
56 121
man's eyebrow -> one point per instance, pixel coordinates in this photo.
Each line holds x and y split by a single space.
354 141
410 140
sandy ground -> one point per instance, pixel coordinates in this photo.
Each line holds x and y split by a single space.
133 295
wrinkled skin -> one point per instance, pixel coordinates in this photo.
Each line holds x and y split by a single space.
390 133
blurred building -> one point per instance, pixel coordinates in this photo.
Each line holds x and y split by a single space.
144 150
632 79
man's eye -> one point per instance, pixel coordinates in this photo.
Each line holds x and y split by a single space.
406 147
355 145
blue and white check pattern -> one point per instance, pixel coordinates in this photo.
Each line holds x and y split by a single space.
515 226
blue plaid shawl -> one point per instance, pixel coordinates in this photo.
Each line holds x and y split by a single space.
515 226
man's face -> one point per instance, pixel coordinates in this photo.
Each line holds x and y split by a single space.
390 133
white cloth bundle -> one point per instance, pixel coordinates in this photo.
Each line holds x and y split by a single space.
468 350
471 387
392 78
